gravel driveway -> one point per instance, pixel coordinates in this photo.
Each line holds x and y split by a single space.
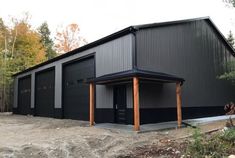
27 136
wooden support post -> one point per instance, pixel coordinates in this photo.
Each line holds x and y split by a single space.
136 104
179 102
92 104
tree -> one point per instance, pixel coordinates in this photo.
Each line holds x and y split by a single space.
69 38
230 75
20 48
47 41
28 47
4 34
231 39
230 2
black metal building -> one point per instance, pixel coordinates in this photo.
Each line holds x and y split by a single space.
190 50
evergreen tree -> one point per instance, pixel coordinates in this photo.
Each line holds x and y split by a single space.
231 39
230 75
230 2
46 41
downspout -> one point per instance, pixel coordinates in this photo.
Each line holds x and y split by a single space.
134 48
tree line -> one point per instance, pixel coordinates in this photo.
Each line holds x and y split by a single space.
22 46
230 73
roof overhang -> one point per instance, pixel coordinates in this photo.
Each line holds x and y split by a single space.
126 76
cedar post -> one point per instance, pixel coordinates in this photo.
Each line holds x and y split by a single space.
136 104
179 102
92 105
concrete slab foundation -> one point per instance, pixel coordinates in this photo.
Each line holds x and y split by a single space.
163 125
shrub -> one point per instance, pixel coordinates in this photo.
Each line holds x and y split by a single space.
213 146
229 136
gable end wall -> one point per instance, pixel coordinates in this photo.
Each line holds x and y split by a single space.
190 50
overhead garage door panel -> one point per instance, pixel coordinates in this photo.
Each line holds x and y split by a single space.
45 92
24 95
75 91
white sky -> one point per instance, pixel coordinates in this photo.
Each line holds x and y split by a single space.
98 18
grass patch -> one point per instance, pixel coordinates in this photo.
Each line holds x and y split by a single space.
220 144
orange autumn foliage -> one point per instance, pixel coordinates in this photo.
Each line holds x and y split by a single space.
69 39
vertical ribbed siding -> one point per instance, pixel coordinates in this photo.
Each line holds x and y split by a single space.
32 90
15 93
104 96
58 85
114 56
129 96
193 51
111 57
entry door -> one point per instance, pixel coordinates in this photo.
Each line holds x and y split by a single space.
120 104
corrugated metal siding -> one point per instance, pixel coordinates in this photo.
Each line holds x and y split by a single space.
104 96
32 90
15 102
58 85
192 51
153 95
114 56
129 96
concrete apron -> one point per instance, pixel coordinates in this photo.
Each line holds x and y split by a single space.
163 125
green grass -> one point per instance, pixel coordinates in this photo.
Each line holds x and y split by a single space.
214 146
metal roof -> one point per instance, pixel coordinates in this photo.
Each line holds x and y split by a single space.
142 74
128 30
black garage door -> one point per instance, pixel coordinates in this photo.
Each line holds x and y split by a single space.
75 91
24 95
45 93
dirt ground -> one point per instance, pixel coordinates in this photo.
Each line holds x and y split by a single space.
34 137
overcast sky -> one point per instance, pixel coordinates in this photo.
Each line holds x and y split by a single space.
98 18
